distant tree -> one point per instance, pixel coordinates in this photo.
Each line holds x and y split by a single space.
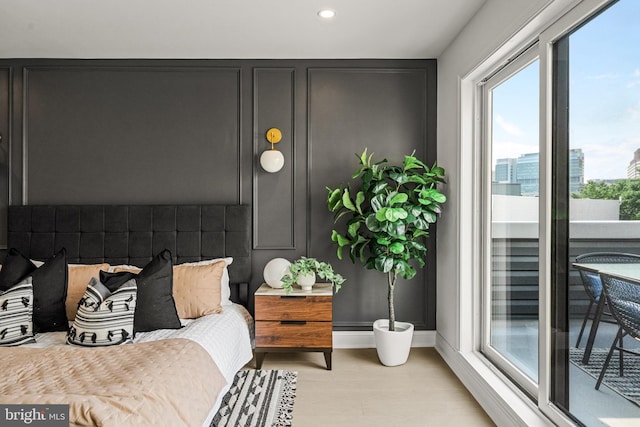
630 200
625 190
597 190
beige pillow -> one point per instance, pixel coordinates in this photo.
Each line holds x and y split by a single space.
79 276
129 268
196 288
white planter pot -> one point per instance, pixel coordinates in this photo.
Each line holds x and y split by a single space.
306 281
393 347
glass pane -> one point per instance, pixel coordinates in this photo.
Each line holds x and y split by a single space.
604 208
514 220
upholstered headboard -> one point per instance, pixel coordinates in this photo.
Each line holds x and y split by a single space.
133 234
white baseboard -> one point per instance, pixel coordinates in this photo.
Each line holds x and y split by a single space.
364 339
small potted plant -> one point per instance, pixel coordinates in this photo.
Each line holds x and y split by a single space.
304 270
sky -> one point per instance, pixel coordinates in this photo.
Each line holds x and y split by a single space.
604 104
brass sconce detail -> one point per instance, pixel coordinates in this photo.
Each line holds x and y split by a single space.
272 160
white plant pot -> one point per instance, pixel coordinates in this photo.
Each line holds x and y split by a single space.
393 347
306 281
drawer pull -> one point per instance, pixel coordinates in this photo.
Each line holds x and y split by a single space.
293 322
293 296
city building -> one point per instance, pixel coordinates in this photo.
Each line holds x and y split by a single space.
524 170
634 165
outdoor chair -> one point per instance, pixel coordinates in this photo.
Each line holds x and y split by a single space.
623 297
593 285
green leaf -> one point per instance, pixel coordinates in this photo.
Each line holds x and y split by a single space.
397 198
421 224
346 200
379 187
437 170
372 223
383 241
397 230
332 198
377 202
425 202
359 200
414 244
384 264
439 197
433 194
420 233
402 266
357 173
396 248
394 214
399 177
416 179
339 239
369 159
430 217
411 162
353 229
408 273
363 157
381 215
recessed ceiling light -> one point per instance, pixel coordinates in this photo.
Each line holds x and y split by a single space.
327 13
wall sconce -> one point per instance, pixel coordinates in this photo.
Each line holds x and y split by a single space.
272 160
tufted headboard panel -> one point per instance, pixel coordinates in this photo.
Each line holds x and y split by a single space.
133 234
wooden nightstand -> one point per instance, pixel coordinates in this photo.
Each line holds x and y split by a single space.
300 321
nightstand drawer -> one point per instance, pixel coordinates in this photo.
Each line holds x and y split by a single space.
294 334
293 308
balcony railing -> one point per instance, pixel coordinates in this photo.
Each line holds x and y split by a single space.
515 261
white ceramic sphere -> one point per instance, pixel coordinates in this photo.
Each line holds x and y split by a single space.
272 161
274 271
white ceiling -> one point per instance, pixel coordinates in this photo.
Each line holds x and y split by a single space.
230 28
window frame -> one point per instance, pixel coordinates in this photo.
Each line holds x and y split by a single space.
516 64
555 20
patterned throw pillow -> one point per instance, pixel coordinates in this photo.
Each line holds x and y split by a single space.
49 281
104 318
155 308
16 311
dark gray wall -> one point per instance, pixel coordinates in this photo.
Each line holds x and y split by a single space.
151 131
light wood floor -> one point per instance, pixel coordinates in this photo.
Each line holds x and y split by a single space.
359 391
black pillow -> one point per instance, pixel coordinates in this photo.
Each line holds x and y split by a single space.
15 267
155 307
49 287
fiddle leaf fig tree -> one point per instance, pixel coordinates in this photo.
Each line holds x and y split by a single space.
385 218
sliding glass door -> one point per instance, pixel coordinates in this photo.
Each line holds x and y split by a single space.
597 189
560 169
510 99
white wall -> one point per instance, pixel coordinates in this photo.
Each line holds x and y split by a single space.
521 208
491 27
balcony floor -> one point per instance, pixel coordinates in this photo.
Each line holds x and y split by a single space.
592 407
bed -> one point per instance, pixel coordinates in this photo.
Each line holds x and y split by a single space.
171 375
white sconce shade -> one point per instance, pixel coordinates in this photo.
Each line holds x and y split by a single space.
272 160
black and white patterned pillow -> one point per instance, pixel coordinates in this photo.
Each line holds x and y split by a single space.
16 314
104 318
